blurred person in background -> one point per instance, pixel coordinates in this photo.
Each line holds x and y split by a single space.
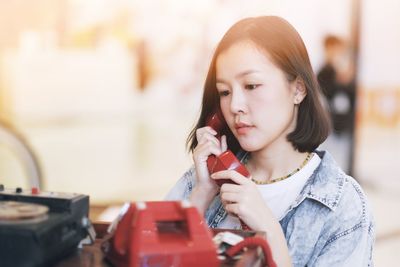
261 82
337 81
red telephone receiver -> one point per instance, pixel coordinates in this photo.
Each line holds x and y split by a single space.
227 160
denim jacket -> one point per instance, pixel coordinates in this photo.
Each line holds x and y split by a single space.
329 224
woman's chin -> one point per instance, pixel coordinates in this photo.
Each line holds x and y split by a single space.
249 147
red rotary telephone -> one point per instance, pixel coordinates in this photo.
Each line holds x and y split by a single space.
161 233
168 233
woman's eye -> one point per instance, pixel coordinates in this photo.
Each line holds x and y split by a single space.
251 86
223 93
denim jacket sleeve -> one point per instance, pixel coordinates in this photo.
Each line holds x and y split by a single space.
331 223
341 234
350 240
214 214
183 188
351 247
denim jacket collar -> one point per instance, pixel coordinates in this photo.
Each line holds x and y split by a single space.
319 187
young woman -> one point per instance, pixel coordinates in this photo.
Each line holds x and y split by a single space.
262 82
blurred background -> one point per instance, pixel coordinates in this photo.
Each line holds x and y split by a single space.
97 97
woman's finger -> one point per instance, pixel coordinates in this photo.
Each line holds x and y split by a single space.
224 145
228 197
233 175
207 137
201 131
206 149
234 208
228 187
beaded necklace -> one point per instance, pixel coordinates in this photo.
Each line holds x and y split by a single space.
309 156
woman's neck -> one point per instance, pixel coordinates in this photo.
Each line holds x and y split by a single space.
268 164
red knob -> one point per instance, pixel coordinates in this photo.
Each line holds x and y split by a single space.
35 190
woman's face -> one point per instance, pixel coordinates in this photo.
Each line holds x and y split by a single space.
256 99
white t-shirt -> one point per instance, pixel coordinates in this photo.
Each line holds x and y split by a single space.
280 195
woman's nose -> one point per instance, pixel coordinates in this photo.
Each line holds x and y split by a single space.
238 101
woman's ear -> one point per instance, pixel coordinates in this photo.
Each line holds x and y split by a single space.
299 91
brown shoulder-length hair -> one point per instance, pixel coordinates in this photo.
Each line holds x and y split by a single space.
286 49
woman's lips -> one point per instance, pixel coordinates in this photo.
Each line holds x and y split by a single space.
242 128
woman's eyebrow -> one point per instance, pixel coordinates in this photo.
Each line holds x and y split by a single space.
244 73
237 76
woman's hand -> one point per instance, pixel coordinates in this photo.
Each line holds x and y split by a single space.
244 200
205 189
207 145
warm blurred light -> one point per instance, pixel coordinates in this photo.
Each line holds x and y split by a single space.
105 56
